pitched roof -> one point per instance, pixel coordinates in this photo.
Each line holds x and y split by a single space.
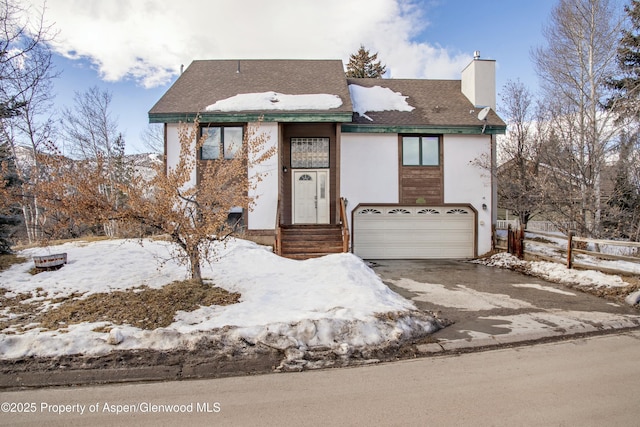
205 82
435 102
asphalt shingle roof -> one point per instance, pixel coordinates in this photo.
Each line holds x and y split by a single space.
204 82
435 102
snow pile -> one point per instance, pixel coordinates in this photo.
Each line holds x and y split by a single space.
377 98
554 272
101 266
633 298
623 266
334 303
268 101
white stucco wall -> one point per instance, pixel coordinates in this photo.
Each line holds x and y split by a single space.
173 150
466 180
368 169
263 214
479 83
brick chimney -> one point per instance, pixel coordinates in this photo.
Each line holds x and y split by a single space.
479 82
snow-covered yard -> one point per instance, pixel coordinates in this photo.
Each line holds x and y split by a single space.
335 303
556 248
315 313
591 281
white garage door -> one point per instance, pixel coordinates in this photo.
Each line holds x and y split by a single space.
410 232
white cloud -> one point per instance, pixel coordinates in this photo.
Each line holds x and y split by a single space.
149 40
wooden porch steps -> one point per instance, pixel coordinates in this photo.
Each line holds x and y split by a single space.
310 241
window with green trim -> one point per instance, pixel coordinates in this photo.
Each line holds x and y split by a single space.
221 142
420 150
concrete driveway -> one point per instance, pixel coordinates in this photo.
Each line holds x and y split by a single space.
491 306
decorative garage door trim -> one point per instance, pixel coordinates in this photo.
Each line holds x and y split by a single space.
406 232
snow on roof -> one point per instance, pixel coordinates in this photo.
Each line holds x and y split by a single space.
276 101
377 98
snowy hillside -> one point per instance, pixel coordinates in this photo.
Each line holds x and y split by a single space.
143 163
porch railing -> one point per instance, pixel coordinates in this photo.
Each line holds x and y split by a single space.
344 225
277 246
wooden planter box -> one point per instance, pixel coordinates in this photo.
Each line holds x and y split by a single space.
52 261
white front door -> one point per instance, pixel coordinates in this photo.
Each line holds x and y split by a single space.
311 197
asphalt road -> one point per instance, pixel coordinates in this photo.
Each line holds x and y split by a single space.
585 382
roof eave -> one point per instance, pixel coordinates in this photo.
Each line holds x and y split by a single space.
285 116
436 129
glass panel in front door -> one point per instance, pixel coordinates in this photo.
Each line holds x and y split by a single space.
323 201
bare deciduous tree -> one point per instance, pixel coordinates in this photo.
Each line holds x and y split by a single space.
26 74
92 134
193 216
23 34
574 68
153 138
518 188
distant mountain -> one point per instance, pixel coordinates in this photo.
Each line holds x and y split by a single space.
24 157
145 159
144 163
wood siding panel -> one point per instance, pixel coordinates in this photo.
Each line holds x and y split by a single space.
420 182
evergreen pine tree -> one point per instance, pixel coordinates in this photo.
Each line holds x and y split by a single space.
627 86
625 201
363 64
9 212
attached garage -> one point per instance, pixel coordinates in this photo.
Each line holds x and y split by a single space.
414 232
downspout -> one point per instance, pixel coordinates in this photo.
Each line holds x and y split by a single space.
494 182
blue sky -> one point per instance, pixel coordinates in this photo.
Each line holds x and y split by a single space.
135 49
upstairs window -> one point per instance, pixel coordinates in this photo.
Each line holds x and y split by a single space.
222 142
420 151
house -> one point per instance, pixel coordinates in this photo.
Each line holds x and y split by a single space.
391 163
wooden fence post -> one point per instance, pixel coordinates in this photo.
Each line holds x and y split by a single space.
521 242
515 241
569 251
